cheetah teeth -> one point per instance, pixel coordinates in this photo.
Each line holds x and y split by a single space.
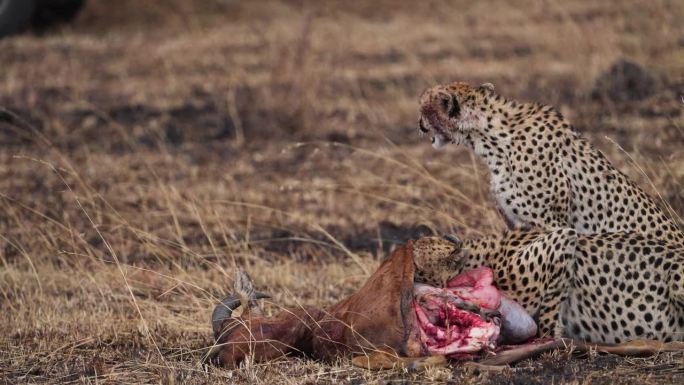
438 142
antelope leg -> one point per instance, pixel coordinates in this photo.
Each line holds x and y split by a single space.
521 352
379 360
632 348
629 348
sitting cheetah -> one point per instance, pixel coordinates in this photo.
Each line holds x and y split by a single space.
606 288
543 173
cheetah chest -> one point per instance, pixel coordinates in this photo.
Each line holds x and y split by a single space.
504 194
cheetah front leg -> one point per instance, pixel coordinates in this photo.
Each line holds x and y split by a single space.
537 274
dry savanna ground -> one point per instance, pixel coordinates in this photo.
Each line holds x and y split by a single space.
150 148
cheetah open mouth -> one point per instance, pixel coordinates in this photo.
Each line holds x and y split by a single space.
439 137
439 141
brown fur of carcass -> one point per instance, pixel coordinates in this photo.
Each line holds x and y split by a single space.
378 317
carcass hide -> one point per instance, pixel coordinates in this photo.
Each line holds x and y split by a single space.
388 314
392 321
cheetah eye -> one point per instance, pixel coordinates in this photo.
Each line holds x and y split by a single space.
445 102
453 239
421 126
455 109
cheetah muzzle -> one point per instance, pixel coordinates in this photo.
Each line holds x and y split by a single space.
446 118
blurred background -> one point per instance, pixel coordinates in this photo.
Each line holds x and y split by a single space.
147 149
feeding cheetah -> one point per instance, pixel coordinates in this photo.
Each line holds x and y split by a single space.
606 288
543 173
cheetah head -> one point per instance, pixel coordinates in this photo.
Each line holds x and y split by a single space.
436 258
450 112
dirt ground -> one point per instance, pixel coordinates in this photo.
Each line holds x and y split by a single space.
149 148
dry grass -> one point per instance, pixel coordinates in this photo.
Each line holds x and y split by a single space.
148 150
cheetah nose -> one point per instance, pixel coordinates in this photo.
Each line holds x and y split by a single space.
421 127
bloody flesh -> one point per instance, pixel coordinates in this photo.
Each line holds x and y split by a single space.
390 311
469 315
446 329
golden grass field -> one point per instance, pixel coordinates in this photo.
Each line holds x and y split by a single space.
149 148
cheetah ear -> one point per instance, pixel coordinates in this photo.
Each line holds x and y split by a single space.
453 239
487 86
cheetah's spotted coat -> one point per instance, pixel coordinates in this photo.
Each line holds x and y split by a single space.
543 174
606 288
591 255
